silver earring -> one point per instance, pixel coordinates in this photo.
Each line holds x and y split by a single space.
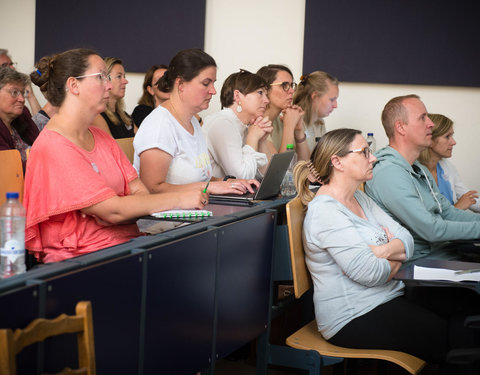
239 107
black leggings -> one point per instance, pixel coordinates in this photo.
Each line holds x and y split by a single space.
426 323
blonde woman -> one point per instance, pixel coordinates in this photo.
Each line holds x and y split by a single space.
114 120
317 95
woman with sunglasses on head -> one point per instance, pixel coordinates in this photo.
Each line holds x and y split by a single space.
443 171
237 135
114 120
152 97
17 130
81 192
353 249
317 95
286 118
171 152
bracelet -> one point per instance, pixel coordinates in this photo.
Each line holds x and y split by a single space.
300 140
228 176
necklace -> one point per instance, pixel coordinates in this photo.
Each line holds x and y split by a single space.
187 125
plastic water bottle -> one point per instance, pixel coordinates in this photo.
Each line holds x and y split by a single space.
288 185
372 143
12 237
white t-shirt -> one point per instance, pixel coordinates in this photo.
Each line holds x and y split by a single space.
190 160
226 135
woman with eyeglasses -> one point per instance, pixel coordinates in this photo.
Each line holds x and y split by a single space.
81 192
171 152
152 97
443 171
17 130
237 135
286 118
317 95
353 249
114 120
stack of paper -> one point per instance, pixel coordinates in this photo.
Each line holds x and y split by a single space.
425 273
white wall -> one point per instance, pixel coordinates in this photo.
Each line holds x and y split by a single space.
253 33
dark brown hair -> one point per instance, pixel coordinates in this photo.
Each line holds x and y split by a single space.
243 81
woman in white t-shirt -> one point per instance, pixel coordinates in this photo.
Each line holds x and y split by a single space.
170 150
237 135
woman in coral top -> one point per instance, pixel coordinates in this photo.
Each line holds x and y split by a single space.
81 192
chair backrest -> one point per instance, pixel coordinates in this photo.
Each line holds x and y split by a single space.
11 343
301 276
126 144
11 174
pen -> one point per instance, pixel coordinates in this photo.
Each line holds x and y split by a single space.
208 183
461 272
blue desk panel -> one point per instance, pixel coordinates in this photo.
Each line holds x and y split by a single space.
114 288
243 284
180 305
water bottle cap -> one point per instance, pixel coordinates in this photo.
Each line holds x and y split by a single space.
369 134
290 146
12 195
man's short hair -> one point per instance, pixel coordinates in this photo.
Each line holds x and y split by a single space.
395 110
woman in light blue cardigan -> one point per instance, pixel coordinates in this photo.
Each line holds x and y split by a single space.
353 249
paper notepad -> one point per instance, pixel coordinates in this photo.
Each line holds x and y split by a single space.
183 214
426 273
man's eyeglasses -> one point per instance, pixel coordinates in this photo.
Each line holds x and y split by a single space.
285 85
366 151
104 77
15 93
7 65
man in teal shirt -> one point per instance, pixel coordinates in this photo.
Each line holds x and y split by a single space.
407 191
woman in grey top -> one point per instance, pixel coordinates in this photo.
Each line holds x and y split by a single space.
353 249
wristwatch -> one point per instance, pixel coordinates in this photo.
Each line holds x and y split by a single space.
228 176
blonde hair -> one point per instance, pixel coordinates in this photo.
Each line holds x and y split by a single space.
319 168
110 62
313 82
442 126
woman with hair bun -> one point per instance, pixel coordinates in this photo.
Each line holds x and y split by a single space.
38 78
171 152
237 135
317 95
81 192
114 120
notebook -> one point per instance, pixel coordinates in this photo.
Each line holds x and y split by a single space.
270 185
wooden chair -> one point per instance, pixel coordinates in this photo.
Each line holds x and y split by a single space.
126 144
308 337
11 174
40 329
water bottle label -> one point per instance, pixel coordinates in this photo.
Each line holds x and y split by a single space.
12 250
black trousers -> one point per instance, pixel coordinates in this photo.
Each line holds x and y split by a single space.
427 322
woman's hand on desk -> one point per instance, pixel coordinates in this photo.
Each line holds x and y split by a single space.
235 186
466 200
195 199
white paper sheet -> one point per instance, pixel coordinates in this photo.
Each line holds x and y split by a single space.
426 273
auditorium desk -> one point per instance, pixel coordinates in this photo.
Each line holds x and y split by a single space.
170 303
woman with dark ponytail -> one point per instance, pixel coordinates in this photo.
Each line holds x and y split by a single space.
170 150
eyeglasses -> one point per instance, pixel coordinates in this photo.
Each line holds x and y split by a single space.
285 85
366 151
5 65
15 93
104 77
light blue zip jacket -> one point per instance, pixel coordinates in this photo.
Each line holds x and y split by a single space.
409 194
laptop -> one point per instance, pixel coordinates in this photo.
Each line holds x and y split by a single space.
270 185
